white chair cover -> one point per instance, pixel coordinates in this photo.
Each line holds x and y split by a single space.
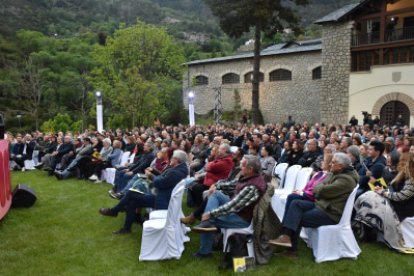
280 170
407 230
29 165
130 159
333 242
247 231
280 195
35 157
303 178
160 238
108 175
162 214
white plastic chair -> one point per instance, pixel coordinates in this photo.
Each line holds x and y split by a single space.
280 170
290 182
407 231
162 214
227 232
108 175
160 238
333 242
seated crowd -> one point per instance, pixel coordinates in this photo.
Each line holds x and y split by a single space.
229 168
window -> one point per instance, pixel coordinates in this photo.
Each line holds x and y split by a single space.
280 75
230 78
201 80
248 78
317 73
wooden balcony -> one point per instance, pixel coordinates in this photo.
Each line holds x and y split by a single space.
390 36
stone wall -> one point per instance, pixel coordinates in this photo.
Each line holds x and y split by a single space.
299 97
336 64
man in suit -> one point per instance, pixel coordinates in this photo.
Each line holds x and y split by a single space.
66 147
164 185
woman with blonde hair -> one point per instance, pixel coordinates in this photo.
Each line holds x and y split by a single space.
382 210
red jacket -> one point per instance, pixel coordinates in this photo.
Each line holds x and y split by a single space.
218 169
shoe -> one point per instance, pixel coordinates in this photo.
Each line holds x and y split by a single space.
23 169
121 231
93 177
39 166
108 212
58 175
115 195
112 193
188 219
204 227
282 240
97 181
202 256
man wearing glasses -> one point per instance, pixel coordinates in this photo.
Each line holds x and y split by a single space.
331 196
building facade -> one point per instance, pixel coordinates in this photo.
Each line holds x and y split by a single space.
364 62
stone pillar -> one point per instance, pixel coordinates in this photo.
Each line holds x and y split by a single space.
336 67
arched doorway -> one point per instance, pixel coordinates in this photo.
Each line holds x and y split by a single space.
391 110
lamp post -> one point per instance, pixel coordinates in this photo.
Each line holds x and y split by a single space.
99 111
191 108
19 117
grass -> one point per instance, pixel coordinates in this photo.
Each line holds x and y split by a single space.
63 234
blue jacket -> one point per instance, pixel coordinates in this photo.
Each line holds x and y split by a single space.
17 148
115 157
376 168
166 182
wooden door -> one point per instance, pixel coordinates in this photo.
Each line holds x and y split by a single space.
390 112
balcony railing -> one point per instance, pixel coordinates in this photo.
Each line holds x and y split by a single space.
390 36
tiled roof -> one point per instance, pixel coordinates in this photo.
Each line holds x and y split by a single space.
277 49
338 14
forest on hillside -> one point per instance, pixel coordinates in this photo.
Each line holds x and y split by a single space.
55 53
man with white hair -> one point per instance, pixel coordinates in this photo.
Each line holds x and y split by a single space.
331 196
164 184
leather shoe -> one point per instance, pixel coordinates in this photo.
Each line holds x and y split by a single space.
282 240
108 212
121 231
188 219
58 175
204 227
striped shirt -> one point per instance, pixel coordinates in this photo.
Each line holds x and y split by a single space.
247 196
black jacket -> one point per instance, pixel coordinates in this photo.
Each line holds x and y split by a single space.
309 157
65 148
145 162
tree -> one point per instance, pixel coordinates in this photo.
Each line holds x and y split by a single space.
268 16
140 67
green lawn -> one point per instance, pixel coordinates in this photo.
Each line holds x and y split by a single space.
63 234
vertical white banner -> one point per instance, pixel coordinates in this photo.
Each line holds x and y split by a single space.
191 114
99 117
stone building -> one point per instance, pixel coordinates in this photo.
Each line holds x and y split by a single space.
364 62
